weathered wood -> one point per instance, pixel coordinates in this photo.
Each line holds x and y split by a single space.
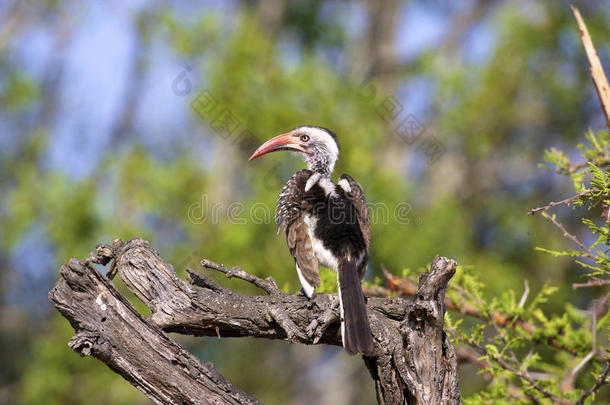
414 361
110 329
432 363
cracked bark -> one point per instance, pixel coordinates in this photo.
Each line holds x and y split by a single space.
414 361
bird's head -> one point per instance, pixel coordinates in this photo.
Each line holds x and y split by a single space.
318 147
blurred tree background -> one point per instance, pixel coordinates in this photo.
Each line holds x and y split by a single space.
135 119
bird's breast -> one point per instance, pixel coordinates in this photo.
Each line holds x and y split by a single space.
324 256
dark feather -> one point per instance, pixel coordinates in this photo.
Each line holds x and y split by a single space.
356 329
289 202
356 196
291 206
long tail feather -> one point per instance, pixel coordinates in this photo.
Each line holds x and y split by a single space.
355 326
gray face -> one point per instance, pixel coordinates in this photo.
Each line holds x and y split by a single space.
320 148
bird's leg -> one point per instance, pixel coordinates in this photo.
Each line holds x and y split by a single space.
313 295
325 320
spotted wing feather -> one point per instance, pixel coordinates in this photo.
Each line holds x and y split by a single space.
290 200
292 205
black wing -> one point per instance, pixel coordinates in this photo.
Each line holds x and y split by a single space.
356 195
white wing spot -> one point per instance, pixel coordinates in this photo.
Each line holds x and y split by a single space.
344 184
307 288
312 181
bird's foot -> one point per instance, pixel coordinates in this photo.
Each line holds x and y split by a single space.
309 298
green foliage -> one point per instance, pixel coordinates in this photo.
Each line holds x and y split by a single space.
523 349
328 281
19 92
493 114
592 183
526 351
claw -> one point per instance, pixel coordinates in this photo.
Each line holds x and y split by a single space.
313 295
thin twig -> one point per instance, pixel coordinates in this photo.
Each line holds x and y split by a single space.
568 200
583 362
523 367
526 291
601 380
597 70
587 252
525 376
268 284
506 366
532 398
464 354
568 382
594 282
599 162
406 287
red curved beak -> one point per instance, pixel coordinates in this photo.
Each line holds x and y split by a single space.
281 142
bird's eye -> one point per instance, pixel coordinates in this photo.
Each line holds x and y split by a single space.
304 138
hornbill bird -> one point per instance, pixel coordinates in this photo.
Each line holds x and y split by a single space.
326 224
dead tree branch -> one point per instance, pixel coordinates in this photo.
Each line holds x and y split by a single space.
414 362
402 286
594 282
597 70
568 200
109 328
